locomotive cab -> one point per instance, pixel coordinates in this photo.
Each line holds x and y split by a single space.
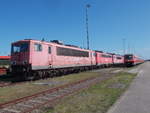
129 59
20 57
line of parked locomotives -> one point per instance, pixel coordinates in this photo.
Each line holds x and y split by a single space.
34 59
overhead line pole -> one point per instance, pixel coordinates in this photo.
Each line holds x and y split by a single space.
87 25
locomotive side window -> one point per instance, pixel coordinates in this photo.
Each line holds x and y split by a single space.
71 52
106 56
37 47
119 58
49 50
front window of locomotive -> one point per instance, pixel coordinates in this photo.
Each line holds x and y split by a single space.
20 47
128 57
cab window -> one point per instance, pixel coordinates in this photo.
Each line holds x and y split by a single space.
20 47
37 47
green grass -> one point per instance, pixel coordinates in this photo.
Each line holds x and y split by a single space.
95 99
25 89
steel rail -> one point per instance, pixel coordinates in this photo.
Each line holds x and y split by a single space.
50 95
46 91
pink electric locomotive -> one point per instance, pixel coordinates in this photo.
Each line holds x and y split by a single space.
33 59
118 60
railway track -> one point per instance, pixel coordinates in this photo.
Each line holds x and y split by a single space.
7 84
10 81
15 82
4 84
33 103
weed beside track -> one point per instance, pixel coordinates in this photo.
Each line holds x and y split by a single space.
97 98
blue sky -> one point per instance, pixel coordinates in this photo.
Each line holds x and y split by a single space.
109 22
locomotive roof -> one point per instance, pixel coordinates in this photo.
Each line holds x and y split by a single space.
52 43
64 45
118 55
99 51
128 54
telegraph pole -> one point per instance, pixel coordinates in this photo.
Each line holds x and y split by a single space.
87 25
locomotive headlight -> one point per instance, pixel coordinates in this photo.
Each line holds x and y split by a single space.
25 62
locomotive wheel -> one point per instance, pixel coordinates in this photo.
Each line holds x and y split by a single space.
28 76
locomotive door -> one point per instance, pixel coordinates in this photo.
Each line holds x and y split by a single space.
96 58
93 58
50 56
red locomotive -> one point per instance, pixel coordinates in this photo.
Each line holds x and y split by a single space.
130 60
103 59
33 59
